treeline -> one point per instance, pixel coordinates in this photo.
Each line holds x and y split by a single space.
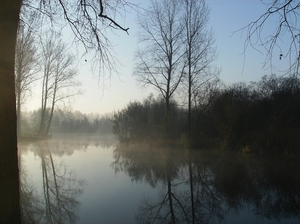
260 116
146 120
68 122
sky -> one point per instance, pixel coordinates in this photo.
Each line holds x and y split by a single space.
226 17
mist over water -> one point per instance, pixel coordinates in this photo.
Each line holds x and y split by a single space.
92 179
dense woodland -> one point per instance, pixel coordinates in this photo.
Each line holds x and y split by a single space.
261 116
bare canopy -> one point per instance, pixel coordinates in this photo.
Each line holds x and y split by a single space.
284 39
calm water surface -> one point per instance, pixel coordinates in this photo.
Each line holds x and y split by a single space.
95 180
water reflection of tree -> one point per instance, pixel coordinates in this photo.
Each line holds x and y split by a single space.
269 187
142 164
185 197
60 187
278 189
31 205
206 202
204 187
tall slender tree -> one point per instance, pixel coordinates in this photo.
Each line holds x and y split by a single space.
26 63
199 56
58 79
200 51
159 63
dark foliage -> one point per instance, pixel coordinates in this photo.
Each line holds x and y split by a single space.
262 116
145 121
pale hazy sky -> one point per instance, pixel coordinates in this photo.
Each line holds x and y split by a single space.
226 16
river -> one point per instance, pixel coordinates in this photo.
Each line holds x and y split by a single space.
85 179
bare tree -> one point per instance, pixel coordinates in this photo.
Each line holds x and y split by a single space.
200 52
286 27
58 79
89 19
159 63
91 22
26 63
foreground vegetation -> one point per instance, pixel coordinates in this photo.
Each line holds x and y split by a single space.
261 116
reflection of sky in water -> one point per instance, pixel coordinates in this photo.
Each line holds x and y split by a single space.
110 197
32 166
107 197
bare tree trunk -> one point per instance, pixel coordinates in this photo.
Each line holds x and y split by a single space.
9 172
167 118
42 109
18 82
44 104
190 104
19 115
47 128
